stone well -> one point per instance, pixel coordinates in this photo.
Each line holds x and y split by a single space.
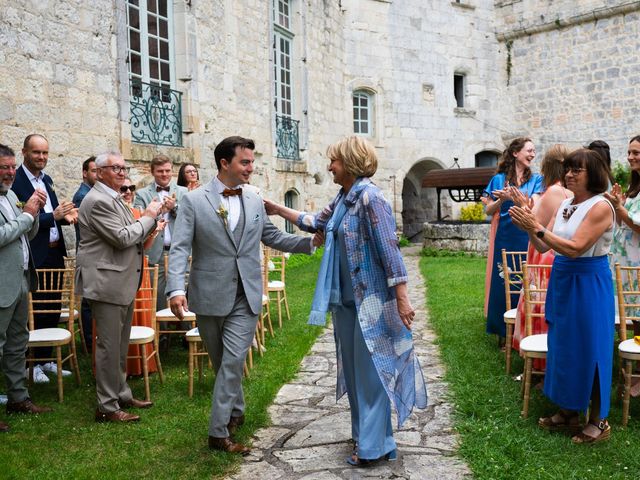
457 235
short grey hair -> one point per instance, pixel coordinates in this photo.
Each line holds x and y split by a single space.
103 158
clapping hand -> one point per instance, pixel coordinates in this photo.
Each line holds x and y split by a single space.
503 194
153 209
35 203
615 196
72 217
519 198
523 218
169 203
65 208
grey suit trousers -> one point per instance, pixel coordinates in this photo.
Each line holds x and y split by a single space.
113 328
14 335
228 340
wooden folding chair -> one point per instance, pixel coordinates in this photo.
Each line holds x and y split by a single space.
512 271
533 346
145 338
165 317
57 282
70 263
628 292
277 285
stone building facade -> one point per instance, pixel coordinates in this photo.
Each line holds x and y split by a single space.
432 83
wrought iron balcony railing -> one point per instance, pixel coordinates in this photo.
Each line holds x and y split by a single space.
156 114
287 139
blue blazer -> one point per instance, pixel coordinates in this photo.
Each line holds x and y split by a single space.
23 189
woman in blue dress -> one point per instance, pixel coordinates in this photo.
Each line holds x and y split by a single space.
514 169
363 283
579 306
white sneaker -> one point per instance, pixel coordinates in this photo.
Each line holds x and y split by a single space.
3 399
38 375
52 368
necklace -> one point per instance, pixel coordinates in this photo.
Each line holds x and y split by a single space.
568 211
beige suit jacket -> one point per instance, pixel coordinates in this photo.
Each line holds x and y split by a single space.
110 255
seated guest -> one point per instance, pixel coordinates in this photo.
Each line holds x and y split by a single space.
579 306
17 225
108 273
188 176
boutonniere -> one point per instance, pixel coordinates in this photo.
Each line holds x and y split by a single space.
20 205
223 214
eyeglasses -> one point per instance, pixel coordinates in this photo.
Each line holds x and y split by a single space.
4 168
574 170
124 188
117 168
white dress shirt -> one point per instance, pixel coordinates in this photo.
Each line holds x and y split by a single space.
162 194
38 182
231 203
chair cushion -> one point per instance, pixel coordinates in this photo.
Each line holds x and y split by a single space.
167 314
276 284
61 335
629 322
142 334
265 299
629 346
510 315
534 343
64 315
193 335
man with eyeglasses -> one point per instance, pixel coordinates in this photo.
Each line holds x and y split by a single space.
47 247
108 273
166 190
18 223
89 177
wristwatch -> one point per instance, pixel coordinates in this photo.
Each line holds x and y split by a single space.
540 233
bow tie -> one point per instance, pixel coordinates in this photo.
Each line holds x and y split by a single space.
230 192
160 189
2 194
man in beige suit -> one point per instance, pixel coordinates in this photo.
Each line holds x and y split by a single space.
17 226
108 273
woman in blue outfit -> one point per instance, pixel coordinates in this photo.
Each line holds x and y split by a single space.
579 307
363 282
514 169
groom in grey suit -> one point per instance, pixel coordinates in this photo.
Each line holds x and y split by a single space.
221 225
17 226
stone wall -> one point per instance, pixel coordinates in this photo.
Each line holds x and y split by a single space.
468 237
571 70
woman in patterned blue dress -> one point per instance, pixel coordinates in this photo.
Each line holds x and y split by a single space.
514 169
363 283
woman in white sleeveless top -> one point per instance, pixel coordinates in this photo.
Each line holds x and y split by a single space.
579 306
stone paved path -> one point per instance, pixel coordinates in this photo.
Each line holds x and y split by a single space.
310 432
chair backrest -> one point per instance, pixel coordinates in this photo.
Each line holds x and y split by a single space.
166 273
264 268
628 292
277 262
145 302
55 283
535 279
511 267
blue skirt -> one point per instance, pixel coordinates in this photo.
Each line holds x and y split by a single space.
580 312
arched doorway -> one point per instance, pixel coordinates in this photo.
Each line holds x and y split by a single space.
419 204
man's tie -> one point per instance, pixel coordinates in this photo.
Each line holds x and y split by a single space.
230 192
160 189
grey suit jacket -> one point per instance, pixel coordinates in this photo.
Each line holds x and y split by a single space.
11 256
143 197
110 254
217 260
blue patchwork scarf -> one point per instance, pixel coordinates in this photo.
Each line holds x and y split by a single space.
327 293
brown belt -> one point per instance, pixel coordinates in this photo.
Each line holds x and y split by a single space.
54 244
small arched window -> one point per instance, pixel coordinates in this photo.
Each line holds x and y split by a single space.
363 113
291 201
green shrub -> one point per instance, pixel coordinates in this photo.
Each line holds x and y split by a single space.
621 175
473 213
403 241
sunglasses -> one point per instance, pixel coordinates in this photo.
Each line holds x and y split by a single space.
124 188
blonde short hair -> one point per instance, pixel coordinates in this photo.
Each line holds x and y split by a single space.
356 154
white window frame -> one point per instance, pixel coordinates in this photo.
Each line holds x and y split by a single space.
358 122
143 31
283 72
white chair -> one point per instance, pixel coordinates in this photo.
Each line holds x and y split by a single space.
532 346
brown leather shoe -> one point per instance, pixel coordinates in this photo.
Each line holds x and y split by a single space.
135 403
235 423
119 416
26 406
227 445
4 427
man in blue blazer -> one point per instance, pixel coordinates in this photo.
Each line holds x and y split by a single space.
47 247
18 223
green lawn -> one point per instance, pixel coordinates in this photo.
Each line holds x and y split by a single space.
495 441
171 439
